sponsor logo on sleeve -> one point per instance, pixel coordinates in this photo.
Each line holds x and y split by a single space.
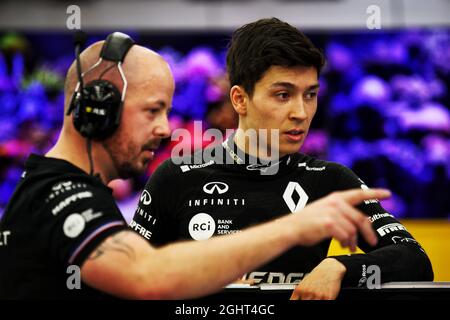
90 215
76 222
392 227
145 214
147 234
71 199
146 198
62 187
74 225
377 216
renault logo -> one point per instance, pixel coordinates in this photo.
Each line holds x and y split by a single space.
288 196
146 199
219 187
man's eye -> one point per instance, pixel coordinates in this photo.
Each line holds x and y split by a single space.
283 95
154 110
311 95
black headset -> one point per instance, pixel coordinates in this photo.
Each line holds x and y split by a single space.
97 107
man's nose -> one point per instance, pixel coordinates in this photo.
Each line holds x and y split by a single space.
298 111
162 128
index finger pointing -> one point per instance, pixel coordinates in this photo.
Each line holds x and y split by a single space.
356 196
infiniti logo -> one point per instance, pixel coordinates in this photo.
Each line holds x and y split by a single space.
146 199
219 187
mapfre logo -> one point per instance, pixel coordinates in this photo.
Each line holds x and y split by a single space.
299 201
146 198
202 226
215 186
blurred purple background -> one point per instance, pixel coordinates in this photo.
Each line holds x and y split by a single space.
384 106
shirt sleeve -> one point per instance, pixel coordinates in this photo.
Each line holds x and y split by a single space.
397 255
80 216
151 219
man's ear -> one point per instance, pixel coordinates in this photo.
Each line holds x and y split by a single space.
239 99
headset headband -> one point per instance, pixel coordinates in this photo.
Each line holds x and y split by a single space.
116 47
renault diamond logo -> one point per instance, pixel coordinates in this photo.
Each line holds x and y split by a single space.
219 187
146 199
289 199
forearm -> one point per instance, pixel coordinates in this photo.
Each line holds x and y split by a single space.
219 261
400 262
125 264
191 269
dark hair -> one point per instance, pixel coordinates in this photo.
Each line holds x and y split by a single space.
257 46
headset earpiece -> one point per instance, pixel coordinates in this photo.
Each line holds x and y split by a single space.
99 116
97 106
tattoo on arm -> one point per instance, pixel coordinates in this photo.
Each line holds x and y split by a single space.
114 243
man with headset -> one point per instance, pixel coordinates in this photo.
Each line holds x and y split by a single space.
62 218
